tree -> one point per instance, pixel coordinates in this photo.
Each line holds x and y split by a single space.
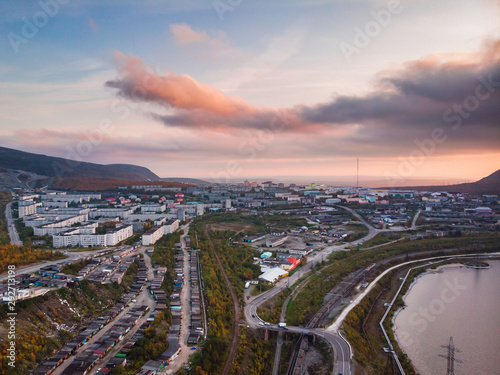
118 370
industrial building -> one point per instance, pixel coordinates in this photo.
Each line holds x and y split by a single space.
276 241
273 275
254 238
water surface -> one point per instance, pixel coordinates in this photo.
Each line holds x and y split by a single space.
454 301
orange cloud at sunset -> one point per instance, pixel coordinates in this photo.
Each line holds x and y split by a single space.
429 107
172 90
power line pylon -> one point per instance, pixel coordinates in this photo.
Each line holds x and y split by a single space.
450 357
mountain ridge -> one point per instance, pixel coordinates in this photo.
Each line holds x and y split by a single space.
58 168
486 185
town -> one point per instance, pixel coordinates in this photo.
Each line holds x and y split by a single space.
108 237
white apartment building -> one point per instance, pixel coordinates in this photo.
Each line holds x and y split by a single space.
51 204
171 226
152 235
66 239
27 208
53 228
153 207
29 197
122 213
119 234
154 188
76 236
63 197
160 221
193 209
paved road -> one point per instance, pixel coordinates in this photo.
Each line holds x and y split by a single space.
14 236
144 298
373 231
340 346
279 342
342 349
71 257
414 221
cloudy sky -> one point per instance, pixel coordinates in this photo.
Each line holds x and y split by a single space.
239 88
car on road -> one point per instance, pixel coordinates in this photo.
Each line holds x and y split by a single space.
253 315
267 324
261 324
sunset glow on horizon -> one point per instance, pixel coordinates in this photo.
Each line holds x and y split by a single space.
265 89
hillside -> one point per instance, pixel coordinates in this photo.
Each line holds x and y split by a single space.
136 169
57 168
486 185
186 180
44 324
102 185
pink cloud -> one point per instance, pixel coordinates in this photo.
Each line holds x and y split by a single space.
183 35
407 104
200 42
93 25
172 90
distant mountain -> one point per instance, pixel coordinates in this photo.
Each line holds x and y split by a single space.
186 180
486 185
136 169
57 168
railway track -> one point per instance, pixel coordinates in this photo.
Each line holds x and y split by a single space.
321 314
236 328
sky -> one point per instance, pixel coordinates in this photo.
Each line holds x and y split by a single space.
235 89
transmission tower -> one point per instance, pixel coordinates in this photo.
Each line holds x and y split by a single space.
450 357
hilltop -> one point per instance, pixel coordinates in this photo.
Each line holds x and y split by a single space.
487 185
43 169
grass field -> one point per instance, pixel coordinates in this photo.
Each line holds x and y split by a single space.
382 238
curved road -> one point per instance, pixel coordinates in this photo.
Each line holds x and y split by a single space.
14 236
342 349
71 257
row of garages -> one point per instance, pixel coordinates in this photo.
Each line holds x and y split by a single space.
153 366
195 298
96 351
86 361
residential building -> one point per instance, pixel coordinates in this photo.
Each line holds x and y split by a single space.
153 235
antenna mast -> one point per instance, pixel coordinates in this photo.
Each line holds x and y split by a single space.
357 173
